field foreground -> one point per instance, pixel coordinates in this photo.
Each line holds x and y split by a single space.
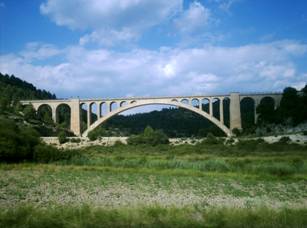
159 186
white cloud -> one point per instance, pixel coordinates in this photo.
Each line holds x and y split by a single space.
39 51
109 37
195 18
97 14
168 71
110 19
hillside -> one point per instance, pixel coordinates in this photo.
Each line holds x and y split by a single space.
14 89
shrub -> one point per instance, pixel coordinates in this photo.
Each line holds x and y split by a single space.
149 137
62 137
211 139
16 142
118 143
236 132
29 112
304 132
75 140
46 153
92 135
284 139
280 170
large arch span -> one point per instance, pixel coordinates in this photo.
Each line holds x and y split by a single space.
144 103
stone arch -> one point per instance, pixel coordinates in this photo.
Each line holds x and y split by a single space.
113 106
216 107
268 100
205 105
92 109
83 116
63 115
143 103
44 113
132 102
185 101
247 108
103 109
174 100
195 102
123 103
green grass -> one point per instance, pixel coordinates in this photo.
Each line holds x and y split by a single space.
86 216
200 158
163 186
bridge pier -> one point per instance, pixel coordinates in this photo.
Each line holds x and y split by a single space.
75 124
235 111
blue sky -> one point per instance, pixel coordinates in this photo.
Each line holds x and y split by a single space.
116 48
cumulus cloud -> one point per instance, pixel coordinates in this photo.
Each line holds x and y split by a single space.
195 18
109 19
168 71
109 37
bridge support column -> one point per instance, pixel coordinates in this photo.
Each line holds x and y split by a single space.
221 110
98 110
257 102
211 107
75 117
235 112
89 119
53 113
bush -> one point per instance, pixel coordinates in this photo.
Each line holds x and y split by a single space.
16 142
211 139
75 140
149 137
304 132
62 137
46 153
93 135
284 139
236 132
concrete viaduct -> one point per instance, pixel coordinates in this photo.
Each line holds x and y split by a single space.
192 103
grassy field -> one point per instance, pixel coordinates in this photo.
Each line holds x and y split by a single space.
251 184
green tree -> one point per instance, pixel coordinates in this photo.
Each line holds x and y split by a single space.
62 137
290 105
29 112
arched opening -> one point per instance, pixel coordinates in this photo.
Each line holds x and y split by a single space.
216 108
205 105
174 100
63 113
226 109
199 125
83 116
247 107
93 112
185 101
132 102
195 102
123 103
44 113
266 110
103 109
113 106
